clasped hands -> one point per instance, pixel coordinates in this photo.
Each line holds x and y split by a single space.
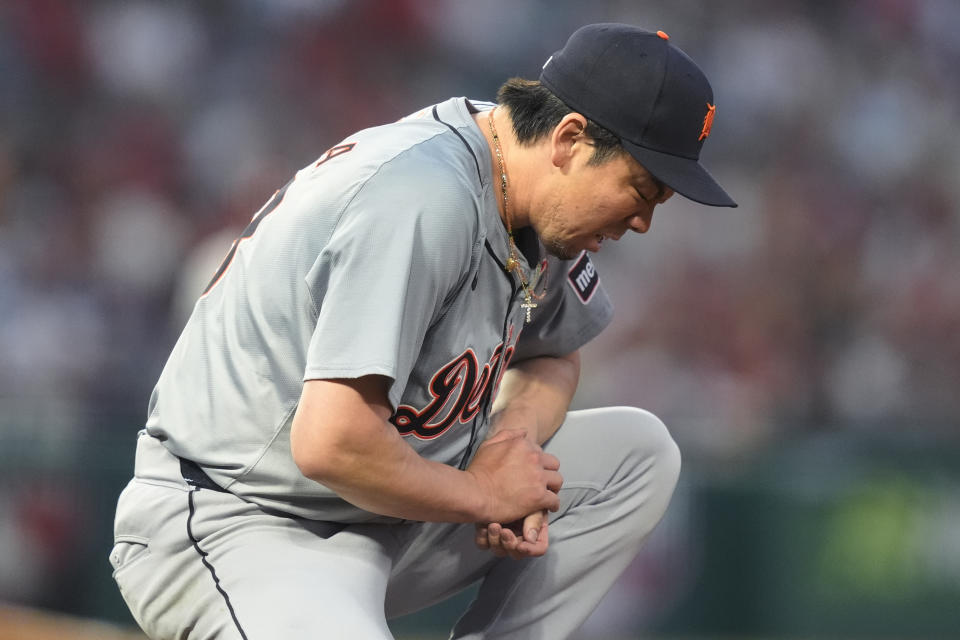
522 482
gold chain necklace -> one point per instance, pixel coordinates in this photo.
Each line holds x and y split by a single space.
513 260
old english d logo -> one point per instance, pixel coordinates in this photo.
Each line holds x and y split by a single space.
459 389
707 121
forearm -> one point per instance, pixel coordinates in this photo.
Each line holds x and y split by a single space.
351 448
535 395
342 439
401 483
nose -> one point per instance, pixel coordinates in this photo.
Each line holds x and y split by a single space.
641 221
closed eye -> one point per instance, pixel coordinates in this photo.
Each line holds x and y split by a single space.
661 188
645 198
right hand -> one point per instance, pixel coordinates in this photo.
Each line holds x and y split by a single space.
527 538
517 477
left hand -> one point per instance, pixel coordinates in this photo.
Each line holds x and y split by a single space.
526 538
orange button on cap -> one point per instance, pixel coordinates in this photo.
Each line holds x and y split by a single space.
663 34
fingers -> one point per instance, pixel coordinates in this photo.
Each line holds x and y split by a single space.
526 538
500 539
551 464
549 461
531 526
528 548
481 539
554 482
491 537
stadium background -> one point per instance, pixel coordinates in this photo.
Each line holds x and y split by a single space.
803 348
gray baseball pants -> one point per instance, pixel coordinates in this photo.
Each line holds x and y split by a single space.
196 563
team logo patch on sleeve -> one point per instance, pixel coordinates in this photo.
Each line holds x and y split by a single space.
583 277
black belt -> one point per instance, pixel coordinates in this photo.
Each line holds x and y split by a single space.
196 476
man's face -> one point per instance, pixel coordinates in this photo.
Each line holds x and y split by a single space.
588 204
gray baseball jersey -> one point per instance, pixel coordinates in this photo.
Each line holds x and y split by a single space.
385 256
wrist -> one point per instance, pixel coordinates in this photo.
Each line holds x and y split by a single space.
480 507
521 418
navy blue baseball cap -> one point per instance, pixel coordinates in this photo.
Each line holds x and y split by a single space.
647 92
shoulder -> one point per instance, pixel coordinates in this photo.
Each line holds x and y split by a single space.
416 174
418 199
419 172
427 158
422 157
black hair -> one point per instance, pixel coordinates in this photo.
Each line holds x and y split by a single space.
535 111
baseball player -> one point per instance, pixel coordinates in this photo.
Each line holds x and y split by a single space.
367 410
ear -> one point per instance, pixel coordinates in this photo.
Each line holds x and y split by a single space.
567 139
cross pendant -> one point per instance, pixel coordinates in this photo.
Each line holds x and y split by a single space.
528 304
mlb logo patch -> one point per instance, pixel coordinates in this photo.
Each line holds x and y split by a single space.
583 277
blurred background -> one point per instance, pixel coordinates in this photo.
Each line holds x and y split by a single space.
804 348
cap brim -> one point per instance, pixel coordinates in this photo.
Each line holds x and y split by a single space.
685 176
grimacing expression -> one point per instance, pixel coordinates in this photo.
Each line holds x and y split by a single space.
590 203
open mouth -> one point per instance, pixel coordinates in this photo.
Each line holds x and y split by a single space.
595 244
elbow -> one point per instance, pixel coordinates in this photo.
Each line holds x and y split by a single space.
305 459
335 427
310 453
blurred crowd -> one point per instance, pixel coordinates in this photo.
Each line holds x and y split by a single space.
137 137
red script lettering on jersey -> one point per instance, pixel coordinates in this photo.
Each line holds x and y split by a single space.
459 389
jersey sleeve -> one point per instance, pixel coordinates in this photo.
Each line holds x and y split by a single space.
574 310
400 250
